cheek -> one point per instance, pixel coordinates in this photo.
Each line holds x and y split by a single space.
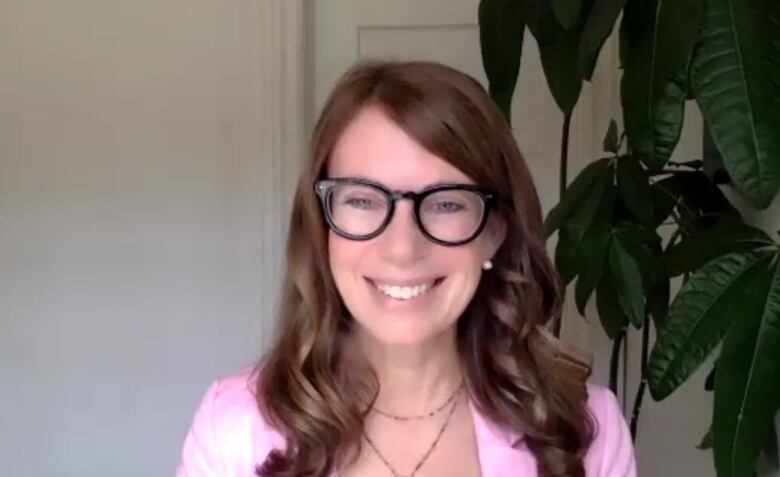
338 255
344 256
471 257
464 277
466 264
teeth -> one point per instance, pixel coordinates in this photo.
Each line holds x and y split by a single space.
403 293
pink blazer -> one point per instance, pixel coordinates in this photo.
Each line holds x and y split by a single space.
228 437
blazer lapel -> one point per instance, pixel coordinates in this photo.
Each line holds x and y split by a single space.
502 452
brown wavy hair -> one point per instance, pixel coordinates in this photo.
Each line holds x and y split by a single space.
516 371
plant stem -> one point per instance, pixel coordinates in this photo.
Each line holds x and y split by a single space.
680 164
640 393
562 183
678 200
664 172
564 166
614 361
675 235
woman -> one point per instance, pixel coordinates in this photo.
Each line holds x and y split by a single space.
412 335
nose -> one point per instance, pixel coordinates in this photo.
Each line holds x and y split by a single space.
402 241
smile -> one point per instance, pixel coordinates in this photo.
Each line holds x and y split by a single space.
401 292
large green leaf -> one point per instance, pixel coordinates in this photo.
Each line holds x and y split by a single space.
747 380
592 252
658 297
570 236
657 38
664 203
558 51
501 28
540 20
635 189
644 246
566 253
699 248
567 12
559 61
575 193
613 318
699 317
597 29
628 281
734 75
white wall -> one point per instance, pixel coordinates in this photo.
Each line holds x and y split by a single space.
144 180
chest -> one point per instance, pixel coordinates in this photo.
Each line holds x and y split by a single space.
471 447
398 448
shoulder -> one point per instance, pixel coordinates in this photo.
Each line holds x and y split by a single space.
611 453
228 435
232 404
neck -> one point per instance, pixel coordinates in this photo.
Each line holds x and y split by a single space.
413 379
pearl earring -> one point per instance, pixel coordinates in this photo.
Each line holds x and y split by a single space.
487 265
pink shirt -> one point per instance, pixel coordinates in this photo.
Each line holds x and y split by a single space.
228 437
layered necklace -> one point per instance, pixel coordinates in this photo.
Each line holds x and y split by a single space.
451 403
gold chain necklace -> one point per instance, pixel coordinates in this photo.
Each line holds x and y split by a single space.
430 449
420 416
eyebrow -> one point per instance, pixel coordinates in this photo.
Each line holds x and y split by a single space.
426 186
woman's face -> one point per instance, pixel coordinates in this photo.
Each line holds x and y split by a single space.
443 278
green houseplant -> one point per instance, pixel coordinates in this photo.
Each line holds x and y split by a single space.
632 221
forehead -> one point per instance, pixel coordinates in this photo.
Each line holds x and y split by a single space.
372 146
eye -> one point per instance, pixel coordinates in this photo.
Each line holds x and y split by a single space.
447 207
364 203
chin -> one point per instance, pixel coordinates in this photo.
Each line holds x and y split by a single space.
400 335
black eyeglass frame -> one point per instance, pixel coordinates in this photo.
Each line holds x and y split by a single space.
324 188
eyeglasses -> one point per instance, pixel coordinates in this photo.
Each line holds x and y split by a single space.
447 214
